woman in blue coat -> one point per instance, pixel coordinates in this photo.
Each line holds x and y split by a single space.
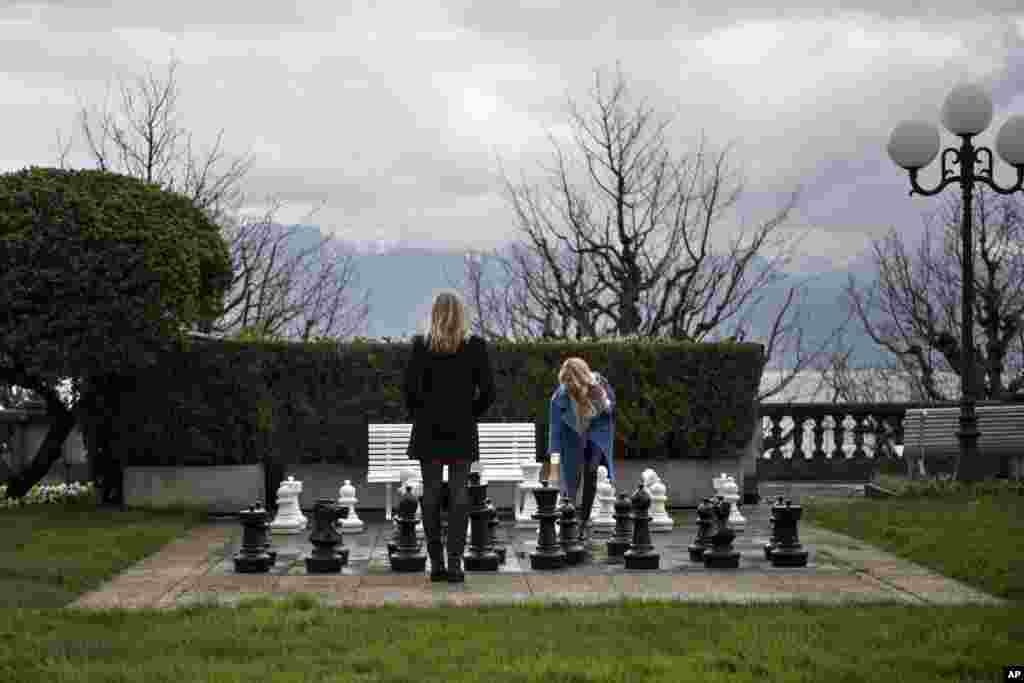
582 430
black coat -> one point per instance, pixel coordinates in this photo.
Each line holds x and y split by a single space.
440 395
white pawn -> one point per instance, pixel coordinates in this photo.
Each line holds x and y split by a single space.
604 521
731 492
530 483
288 519
660 519
350 524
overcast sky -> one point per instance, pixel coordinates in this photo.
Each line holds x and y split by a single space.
392 117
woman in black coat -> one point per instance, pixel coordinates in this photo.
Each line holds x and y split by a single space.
441 383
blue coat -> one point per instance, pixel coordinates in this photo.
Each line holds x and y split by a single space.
562 436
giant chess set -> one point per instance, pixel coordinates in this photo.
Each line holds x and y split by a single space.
545 534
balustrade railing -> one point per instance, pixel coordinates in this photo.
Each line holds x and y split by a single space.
833 441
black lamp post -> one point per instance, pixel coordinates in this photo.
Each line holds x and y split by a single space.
913 145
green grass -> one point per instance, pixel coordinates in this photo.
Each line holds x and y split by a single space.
297 640
974 534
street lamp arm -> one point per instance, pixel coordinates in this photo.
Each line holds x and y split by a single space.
985 174
946 180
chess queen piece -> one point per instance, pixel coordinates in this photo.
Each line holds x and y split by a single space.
289 518
774 540
527 507
788 552
705 522
493 524
252 557
568 535
407 556
731 493
641 553
325 558
478 556
350 524
549 554
604 521
661 521
623 536
722 555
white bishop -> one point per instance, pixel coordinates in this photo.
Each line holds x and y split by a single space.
350 524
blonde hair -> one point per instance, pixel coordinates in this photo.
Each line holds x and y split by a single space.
577 378
448 327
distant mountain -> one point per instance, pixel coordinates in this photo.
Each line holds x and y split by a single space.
403 280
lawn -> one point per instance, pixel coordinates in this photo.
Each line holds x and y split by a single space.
53 552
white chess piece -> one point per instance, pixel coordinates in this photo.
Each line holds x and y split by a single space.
298 506
350 524
660 519
731 492
528 503
289 517
647 477
718 483
604 520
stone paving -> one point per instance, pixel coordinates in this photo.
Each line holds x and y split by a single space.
840 570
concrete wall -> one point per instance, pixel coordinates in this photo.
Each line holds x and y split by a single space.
224 489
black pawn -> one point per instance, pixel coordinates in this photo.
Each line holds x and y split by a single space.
722 555
568 537
492 531
641 553
407 556
478 557
702 542
788 552
622 537
549 553
252 557
325 559
774 540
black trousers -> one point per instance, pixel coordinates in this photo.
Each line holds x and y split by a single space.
458 506
593 457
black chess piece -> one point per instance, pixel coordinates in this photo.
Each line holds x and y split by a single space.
492 531
325 559
568 536
722 555
266 546
393 540
407 556
641 553
478 556
252 557
774 540
623 534
702 542
549 553
788 552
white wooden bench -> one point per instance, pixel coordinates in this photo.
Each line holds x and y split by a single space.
931 432
503 448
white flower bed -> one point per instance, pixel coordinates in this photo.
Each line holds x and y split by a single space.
47 493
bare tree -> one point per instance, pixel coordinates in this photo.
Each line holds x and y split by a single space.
917 303
914 312
587 259
276 292
272 291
